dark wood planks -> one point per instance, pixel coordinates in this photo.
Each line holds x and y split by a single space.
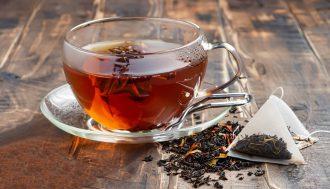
319 40
278 54
33 152
314 19
31 64
12 24
283 43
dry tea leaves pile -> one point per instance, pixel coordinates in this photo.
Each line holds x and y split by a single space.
192 157
264 146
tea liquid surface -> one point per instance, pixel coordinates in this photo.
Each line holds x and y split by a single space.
131 90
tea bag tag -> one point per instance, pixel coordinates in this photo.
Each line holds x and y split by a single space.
273 119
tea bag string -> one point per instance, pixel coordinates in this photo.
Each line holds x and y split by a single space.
278 89
317 131
281 90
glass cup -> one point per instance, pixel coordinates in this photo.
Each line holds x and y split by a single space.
137 74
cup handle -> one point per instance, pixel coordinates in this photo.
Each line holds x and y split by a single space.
209 94
238 61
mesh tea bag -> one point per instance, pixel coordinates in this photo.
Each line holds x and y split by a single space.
269 136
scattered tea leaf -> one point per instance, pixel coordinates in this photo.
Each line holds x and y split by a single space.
239 174
191 157
148 158
233 110
222 176
218 185
259 172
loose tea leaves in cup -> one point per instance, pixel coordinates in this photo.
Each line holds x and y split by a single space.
275 124
137 74
135 102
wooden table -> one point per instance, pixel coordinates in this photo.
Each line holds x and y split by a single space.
283 43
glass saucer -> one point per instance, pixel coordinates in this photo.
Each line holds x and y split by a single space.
62 109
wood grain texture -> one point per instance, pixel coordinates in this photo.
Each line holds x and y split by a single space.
313 18
283 43
277 53
33 152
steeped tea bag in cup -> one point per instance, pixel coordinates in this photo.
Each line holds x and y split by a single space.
268 136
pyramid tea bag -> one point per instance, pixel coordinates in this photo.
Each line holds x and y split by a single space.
269 135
